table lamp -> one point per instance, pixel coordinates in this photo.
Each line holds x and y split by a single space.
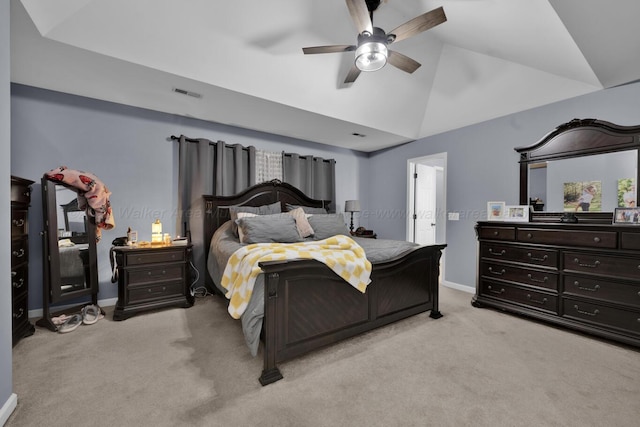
352 206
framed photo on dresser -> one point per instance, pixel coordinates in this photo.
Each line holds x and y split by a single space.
495 211
518 213
628 216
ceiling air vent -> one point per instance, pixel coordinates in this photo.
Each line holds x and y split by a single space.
186 92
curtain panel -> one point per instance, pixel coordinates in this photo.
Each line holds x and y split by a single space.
208 167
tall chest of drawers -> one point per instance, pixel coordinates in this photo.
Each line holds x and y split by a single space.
585 277
20 199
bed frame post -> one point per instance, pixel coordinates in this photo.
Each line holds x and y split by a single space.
270 372
435 284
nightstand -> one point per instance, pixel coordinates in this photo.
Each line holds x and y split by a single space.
365 236
152 277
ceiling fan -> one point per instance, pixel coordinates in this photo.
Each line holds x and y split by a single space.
372 51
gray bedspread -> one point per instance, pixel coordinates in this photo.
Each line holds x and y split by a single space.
224 244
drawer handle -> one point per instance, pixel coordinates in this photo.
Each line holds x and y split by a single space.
594 265
529 236
19 314
490 289
545 280
497 273
532 258
19 283
18 222
596 239
18 254
542 302
594 289
496 233
501 253
594 313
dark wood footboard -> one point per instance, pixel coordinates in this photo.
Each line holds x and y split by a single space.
308 306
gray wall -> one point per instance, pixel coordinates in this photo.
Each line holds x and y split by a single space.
481 166
6 379
128 149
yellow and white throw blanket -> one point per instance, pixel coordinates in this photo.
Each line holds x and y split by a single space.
340 253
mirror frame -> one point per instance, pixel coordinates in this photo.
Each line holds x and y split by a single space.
577 138
52 289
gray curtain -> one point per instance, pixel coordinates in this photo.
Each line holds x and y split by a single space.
207 167
315 176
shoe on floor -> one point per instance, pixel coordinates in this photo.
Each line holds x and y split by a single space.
60 319
91 314
71 324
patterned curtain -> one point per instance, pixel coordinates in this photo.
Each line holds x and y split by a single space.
268 166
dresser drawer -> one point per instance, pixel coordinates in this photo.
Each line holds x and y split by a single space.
19 251
604 290
156 291
513 294
18 222
602 264
630 241
526 276
153 257
19 312
497 233
533 256
593 239
20 194
19 280
154 274
618 318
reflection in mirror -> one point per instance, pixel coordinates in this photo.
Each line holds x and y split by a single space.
547 179
73 247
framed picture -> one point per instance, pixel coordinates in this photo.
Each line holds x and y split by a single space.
517 213
495 211
629 216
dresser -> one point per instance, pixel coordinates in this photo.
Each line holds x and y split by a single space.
20 199
152 278
581 276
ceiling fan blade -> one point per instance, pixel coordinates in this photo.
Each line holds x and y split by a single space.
353 74
419 24
403 62
328 49
360 15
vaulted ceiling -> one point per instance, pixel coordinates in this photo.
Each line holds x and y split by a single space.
244 60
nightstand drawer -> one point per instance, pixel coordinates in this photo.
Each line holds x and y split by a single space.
154 257
19 251
156 291
155 274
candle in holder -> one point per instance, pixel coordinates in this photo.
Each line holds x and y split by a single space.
156 233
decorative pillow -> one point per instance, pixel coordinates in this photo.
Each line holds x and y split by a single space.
327 225
307 209
273 208
304 228
242 215
275 228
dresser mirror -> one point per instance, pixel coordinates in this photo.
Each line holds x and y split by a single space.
69 239
580 151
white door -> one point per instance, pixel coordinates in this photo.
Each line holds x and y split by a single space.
424 214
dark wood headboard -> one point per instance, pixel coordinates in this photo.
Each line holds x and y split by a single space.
216 208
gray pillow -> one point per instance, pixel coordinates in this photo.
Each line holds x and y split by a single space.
273 208
307 209
276 228
327 225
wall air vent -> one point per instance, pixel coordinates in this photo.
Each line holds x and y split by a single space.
186 92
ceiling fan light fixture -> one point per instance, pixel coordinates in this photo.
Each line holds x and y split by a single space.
371 56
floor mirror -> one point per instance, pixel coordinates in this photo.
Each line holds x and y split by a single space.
70 267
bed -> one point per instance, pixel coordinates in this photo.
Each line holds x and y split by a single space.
301 305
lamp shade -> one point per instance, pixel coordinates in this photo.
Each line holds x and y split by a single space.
352 206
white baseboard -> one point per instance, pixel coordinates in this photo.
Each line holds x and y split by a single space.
459 287
37 313
8 408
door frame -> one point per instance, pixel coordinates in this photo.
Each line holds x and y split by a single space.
438 160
